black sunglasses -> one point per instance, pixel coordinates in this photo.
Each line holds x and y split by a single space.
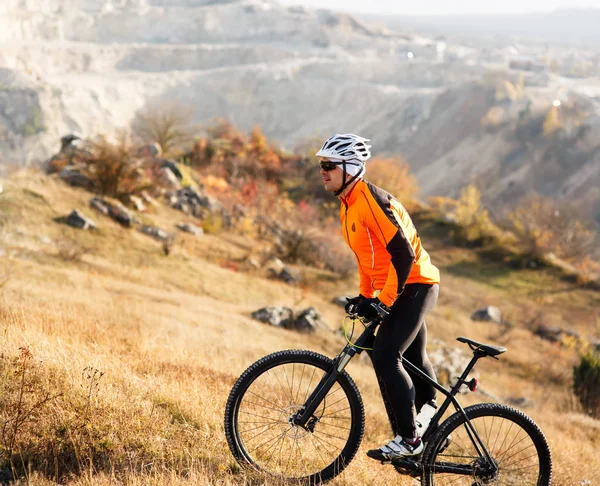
328 165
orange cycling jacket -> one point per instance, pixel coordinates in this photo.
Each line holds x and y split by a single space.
387 246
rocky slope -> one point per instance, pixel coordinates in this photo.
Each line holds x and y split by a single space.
91 65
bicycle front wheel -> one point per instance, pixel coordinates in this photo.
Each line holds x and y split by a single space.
264 399
518 449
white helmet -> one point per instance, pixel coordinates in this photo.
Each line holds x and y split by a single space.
346 147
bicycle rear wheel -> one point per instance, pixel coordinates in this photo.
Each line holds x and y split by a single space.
518 448
269 393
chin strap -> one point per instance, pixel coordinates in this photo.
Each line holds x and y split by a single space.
346 183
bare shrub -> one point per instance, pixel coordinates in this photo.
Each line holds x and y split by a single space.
113 170
544 225
586 383
168 124
303 237
24 394
473 226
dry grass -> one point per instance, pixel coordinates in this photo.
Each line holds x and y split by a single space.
133 354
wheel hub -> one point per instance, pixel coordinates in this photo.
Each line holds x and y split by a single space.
289 414
485 470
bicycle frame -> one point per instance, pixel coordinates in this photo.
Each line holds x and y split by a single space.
305 417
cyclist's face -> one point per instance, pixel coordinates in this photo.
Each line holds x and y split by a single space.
332 175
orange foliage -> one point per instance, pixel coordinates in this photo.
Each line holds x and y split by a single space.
393 175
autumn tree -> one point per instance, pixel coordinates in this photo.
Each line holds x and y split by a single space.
393 175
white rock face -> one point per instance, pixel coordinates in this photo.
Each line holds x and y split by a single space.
91 65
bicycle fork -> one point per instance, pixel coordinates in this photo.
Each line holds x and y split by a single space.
305 417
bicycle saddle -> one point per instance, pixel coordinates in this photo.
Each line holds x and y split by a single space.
486 349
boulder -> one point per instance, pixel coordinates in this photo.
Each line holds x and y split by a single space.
78 220
289 275
168 179
489 314
448 362
307 322
554 334
137 203
75 178
156 233
100 205
122 215
70 141
275 265
191 228
274 315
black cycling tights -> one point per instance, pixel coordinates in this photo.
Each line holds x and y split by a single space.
404 333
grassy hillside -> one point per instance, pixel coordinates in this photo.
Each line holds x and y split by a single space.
117 360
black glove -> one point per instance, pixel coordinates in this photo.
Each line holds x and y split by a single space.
350 307
371 309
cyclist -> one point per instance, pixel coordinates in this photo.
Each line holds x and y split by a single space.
397 281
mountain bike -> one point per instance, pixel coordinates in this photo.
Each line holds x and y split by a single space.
298 415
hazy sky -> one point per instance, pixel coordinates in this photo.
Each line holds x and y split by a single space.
434 7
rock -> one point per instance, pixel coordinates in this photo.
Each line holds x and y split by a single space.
45 240
521 402
191 201
289 275
100 205
150 150
308 321
172 166
276 316
75 178
78 220
70 141
122 215
137 203
275 264
489 314
149 199
254 263
341 300
156 233
191 228
168 179
448 362
553 333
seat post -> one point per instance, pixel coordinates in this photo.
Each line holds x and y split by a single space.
465 373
